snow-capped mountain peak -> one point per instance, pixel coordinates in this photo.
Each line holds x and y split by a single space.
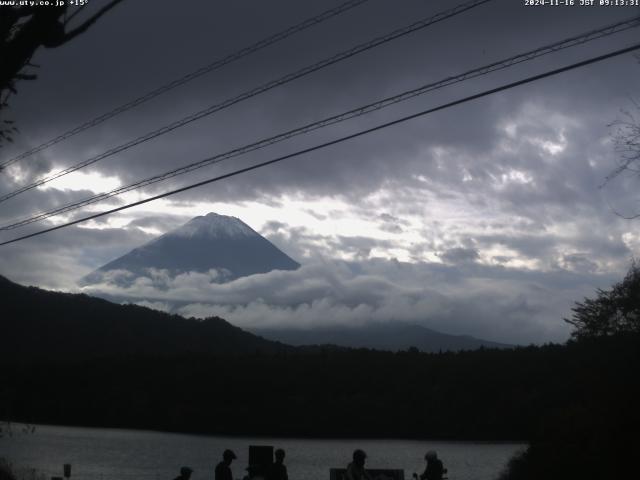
210 242
212 226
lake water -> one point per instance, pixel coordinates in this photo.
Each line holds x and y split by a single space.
109 454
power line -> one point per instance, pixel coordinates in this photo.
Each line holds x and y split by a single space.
265 42
255 91
338 140
495 66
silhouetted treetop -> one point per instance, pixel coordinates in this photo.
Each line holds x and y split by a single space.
613 311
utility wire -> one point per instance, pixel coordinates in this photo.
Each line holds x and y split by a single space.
339 140
265 42
495 66
256 91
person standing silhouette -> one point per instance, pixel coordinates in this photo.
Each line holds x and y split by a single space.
355 470
278 470
223 470
435 470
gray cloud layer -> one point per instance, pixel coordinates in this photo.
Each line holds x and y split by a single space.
493 302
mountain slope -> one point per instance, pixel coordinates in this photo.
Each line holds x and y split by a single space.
210 242
388 336
40 323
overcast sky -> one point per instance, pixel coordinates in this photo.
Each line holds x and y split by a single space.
485 219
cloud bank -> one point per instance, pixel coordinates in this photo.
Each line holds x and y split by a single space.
489 302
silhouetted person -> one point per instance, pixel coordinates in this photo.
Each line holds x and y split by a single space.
278 470
185 474
355 470
223 470
435 470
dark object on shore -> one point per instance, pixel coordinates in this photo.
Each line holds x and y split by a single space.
260 460
375 473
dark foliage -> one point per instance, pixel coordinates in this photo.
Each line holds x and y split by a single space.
570 393
595 435
612 312
6 472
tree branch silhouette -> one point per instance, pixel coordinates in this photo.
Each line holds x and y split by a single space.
626 139
23 30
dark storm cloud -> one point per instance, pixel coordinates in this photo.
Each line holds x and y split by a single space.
579 263
458 255
36 200
140 54
359 247
525 244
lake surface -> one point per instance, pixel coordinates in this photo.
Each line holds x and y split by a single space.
109 454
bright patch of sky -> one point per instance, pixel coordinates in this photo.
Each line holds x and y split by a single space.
401 231
78 181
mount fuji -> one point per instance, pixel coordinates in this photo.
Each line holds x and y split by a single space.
210 242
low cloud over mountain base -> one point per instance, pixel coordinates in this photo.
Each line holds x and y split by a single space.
494 303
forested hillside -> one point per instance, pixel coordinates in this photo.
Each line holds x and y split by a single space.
43 325
486 394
